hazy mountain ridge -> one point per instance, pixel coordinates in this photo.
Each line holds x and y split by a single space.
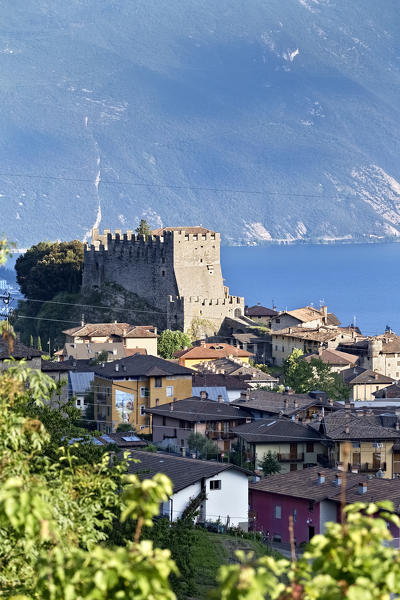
296 100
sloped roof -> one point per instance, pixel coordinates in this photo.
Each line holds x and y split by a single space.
276 430
273 402
182 471
229 382
195 409
318 334
334 426
50 366
126 439
80 382
260 311
212 392
392 391
304 483
233 368
19 351
214 350
140 365
333 357
358 375
108 329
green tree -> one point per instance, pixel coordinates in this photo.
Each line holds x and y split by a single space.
102 357
304 376
31 341
143 228
170 342
125 427
204 448
270 464
39 343
48 268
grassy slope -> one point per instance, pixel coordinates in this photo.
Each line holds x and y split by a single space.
212 550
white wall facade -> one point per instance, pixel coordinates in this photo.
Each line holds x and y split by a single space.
327 513
232 500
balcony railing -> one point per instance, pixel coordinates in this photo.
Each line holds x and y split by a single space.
221 435
290 457
367 467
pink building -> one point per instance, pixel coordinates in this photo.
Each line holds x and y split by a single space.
312 497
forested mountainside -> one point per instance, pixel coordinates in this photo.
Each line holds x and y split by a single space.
264 120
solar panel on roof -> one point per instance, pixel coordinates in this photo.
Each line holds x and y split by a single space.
107 438
131 438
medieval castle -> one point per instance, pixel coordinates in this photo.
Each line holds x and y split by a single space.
177 270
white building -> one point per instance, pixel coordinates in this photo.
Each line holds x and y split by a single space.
225 486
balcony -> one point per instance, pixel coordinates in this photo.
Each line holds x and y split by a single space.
221 435
290 457
367 467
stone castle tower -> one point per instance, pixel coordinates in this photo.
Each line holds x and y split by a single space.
176 269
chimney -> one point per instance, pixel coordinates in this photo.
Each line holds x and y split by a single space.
171 406
203 395
330 400
203 343
324 310
397 425
321 478
286 404
295 403
117 368
362 488
220 400
338 479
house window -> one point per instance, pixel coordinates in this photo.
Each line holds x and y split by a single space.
164 421
144 392
277 538
169 390
142 409
277 320
78 401
163 273
278 511
276 347
158 382
310 447
294 514
356 444
283 348
142 427
311 506
215 484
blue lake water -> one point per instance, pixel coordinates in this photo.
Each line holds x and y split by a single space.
361 280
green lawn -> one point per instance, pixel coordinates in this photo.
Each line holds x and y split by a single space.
211 550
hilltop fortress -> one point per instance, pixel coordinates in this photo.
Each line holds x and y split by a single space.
176 269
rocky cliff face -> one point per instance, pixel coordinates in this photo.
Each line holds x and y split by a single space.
264 120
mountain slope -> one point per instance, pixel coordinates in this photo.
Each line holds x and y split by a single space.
264 120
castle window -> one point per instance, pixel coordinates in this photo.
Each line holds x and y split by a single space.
163 273
201 260
163 259
195 237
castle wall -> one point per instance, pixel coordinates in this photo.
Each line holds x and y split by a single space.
142 266
166 270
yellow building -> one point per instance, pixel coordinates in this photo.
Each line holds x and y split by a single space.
208 352
125 388
132 337
361 444
363 383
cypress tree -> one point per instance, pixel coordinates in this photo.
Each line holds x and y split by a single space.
31 341
39 343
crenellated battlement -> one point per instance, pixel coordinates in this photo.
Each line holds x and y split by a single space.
176 269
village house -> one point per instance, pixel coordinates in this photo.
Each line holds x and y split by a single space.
235 367
132 337
312 498
380 353
304 408
209 352
94 351
176 421
308 340
307 317
220 488
363 382
391 392
125 388
338 361
260 314
59 374
295 445
361 443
